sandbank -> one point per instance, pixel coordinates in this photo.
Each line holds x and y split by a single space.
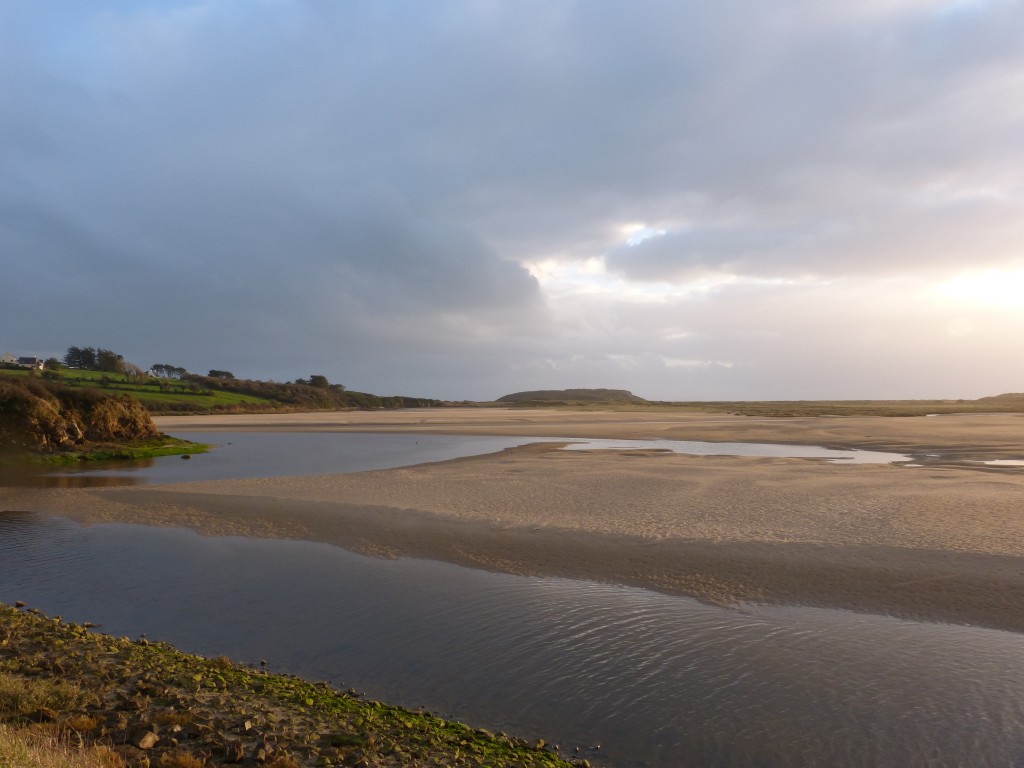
957 436
938 542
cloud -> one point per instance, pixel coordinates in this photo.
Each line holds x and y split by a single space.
435 197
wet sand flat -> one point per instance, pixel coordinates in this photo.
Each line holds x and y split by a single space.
959 435
943 542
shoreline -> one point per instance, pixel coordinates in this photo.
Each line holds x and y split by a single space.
936 543
138 704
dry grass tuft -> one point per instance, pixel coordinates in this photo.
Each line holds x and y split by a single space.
173 718
43 748
20 696
283 761
81 723
180 760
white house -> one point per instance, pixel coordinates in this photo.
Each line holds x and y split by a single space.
30 362
8 358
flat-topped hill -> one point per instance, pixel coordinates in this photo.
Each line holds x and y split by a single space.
573 396
1006 397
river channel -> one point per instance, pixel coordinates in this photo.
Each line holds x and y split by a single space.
627 676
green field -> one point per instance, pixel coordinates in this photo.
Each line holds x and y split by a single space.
158 395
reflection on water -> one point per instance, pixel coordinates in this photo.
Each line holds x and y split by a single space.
255 454
261 454
98 474
657 680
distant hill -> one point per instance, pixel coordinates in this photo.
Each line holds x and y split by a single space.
1005 397
572 396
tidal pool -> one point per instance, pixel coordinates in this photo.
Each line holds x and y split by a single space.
655 680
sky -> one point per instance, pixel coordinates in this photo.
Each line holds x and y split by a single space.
694 201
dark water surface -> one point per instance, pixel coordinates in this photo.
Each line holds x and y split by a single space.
237 455
656 680
276 454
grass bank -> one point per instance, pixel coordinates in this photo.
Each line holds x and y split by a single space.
205 394
157 395
81 699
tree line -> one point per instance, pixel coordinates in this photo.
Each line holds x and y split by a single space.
94 359
108 361
166 371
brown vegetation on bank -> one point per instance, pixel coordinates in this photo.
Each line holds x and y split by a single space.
43 416
304 395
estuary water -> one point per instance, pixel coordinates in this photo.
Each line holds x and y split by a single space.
628 676
261 454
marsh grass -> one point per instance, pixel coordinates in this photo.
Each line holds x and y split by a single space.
1008 403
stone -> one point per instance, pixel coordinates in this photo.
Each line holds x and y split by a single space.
144 739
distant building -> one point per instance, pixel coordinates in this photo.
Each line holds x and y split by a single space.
8 358
30 362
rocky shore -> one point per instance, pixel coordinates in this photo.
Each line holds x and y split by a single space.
143 704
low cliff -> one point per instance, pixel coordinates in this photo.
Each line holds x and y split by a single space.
46 417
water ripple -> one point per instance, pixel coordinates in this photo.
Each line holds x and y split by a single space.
657 680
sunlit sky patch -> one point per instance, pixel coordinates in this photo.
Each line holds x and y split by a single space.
637 233
989 289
